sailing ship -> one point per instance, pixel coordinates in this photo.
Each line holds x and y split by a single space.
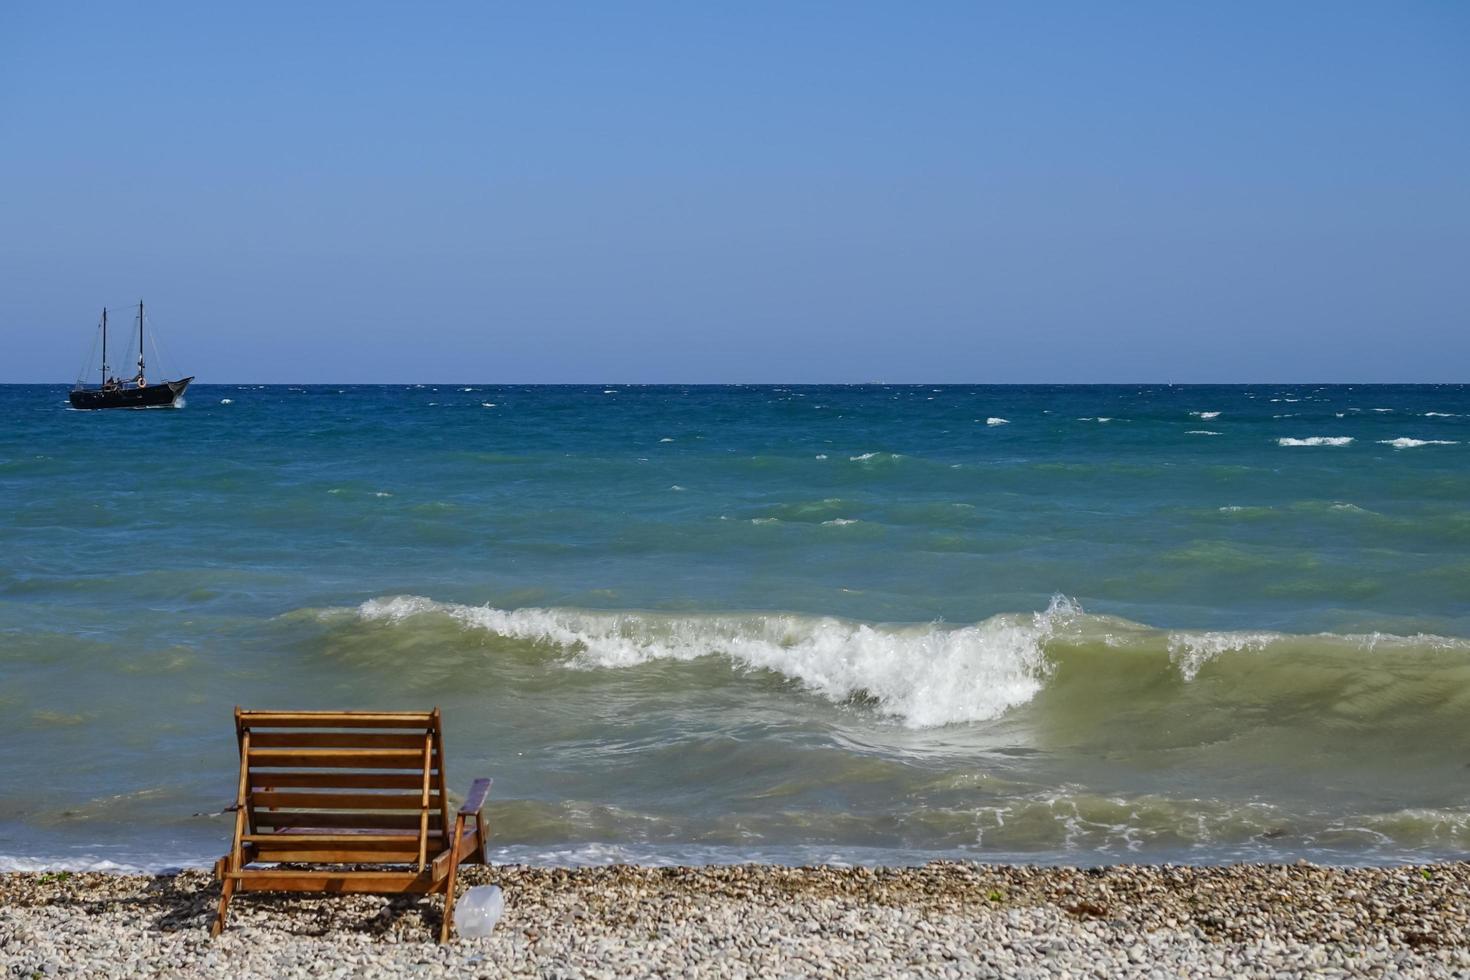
134 392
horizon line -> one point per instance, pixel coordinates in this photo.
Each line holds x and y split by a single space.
763 384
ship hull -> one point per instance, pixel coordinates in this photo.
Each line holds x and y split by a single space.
162 395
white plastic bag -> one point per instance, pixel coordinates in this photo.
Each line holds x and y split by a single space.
475 915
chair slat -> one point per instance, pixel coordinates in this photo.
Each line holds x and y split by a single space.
364 819
335 801
338 758
337 854
337 740
336 780
386 837
336 719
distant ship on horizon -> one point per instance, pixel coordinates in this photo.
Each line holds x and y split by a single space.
134 392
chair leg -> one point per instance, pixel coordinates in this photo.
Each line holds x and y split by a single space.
226 890
450 881
448 906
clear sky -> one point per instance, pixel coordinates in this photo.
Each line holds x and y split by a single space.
745 191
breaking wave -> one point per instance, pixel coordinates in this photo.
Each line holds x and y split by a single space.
925 675
1404 442
934 674
1316 441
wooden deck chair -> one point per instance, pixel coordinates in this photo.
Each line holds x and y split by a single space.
324 791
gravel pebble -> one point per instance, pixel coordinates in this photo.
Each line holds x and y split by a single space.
945 919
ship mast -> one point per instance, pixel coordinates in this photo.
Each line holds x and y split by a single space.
141 379
104 347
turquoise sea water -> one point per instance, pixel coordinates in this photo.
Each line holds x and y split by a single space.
869 623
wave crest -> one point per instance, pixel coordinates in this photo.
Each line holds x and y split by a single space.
1316 441
924 675
1405 442
934 674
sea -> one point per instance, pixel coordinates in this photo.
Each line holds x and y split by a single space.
868 624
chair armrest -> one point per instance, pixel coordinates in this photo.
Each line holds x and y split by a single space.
474 800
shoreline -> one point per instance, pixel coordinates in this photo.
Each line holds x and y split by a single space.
940 919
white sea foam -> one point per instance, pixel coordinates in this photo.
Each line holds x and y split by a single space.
1202 432
609 391
1206 415
1100 418
765 520
1383 410
666 855
92 862
382 493
227 401
487 404
676 487
821 456
1191 651
994 420
1441 415
839 522
666 439
1316 441
924 675
864 456
1404 442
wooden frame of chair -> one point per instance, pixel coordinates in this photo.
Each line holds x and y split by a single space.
325 788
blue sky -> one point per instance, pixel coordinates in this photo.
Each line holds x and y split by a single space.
548 192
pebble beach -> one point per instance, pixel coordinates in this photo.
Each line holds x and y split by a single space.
941 920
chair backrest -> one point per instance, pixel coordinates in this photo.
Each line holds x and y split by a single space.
343 786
